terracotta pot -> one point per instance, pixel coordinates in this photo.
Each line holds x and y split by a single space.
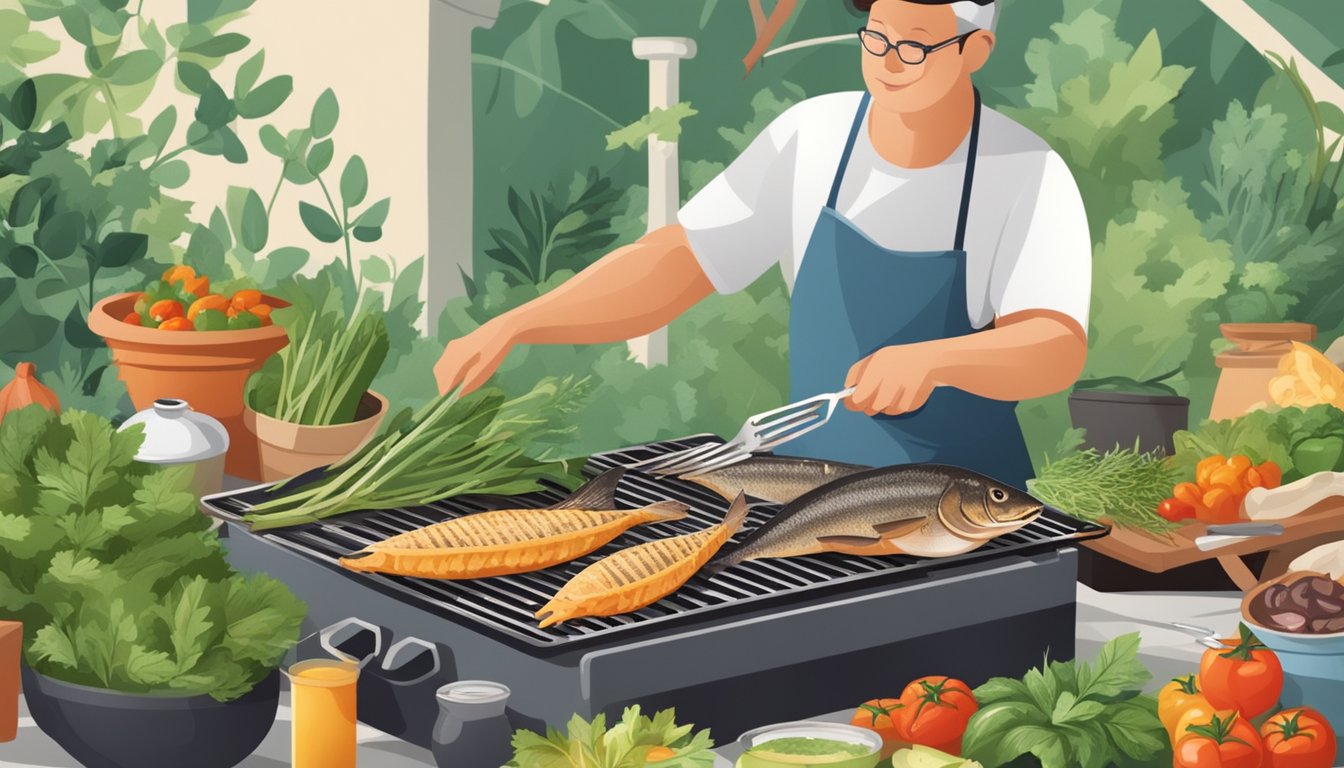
287 449
207 369
1245 372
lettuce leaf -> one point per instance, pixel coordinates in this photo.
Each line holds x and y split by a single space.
625 745
1070 714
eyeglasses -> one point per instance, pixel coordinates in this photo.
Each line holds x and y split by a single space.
911 52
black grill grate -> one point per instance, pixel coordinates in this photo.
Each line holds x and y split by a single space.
506 604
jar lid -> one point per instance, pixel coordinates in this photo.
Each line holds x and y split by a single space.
473 692
175 434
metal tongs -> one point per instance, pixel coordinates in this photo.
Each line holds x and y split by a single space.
761 432
1203 635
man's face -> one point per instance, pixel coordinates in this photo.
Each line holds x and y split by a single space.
901 87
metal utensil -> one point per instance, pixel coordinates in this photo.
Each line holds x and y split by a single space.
1203 635
1218 536
761 432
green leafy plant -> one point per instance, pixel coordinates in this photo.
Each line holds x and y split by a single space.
117 574
1071 714
627 744
1301 441
1120 486
332 357
560 229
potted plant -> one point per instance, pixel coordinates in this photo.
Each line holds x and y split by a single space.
1119 410
310 405
177 340
144 647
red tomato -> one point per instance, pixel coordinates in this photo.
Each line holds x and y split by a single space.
934 712
1175 510
167 309
1247 678
879 716
1229 742
1298 738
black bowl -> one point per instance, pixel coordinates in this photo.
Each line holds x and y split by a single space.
110 729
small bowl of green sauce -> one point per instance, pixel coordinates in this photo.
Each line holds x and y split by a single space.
810 745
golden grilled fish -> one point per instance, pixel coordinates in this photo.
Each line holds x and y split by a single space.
638 576
925 510
510 541
780 479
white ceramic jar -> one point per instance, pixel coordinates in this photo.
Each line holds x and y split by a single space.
175 434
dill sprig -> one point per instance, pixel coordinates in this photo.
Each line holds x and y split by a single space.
1122 486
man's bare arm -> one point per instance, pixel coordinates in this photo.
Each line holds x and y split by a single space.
629 292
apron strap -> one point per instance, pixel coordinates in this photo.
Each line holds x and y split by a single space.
969 182
849 149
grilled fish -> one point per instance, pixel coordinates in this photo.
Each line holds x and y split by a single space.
923 510
510 541
780 479
639 576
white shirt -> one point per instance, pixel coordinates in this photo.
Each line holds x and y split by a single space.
1027 239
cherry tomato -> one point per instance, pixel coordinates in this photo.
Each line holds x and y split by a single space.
934 713
1298 738
878 715
131 319
263 311
1221 505
176 324
1182 698
1247 678
1206 466
197 286
1267 475
1190 494
1224 742
178 273
165 310
1226 476
208 301
246 299
1175 510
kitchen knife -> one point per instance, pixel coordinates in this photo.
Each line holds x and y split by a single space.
1218 536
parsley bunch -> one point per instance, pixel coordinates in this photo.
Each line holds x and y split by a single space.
114 572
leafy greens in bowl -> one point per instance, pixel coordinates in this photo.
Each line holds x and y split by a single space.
116 576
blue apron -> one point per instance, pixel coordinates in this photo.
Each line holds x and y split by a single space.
853 297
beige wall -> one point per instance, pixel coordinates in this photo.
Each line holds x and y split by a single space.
375 56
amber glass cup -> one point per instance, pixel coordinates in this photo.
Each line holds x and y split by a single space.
322 697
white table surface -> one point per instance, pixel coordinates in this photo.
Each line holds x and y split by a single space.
1101 616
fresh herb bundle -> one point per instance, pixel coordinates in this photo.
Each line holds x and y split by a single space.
115 572
1071 714
635 741
332 357
453 445
1123 486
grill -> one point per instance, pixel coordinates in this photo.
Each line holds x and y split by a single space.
487 629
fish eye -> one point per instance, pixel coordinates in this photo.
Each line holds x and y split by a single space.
998 494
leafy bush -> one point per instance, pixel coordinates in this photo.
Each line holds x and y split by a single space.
116 575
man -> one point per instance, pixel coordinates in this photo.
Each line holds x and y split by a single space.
938 254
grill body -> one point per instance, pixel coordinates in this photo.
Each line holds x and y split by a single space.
760 643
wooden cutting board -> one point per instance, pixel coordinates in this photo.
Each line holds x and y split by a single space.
1157 553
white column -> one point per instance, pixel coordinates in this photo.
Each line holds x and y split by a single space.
449 154
664 55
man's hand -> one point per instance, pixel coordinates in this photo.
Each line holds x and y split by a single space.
472 359
893 380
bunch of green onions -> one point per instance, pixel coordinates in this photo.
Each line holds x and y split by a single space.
452 446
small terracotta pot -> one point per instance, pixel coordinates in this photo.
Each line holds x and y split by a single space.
208 369
286 449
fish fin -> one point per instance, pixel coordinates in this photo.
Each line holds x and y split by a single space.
737 514
596 494
357 561
898 528
666 511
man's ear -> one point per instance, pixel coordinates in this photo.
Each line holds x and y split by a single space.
978 48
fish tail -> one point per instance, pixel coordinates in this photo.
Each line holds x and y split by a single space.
737 514
666 511
598 493
555 612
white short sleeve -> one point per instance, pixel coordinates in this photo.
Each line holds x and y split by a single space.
741 223
1044 260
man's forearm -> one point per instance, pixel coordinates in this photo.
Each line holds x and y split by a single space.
630 292
1026 356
